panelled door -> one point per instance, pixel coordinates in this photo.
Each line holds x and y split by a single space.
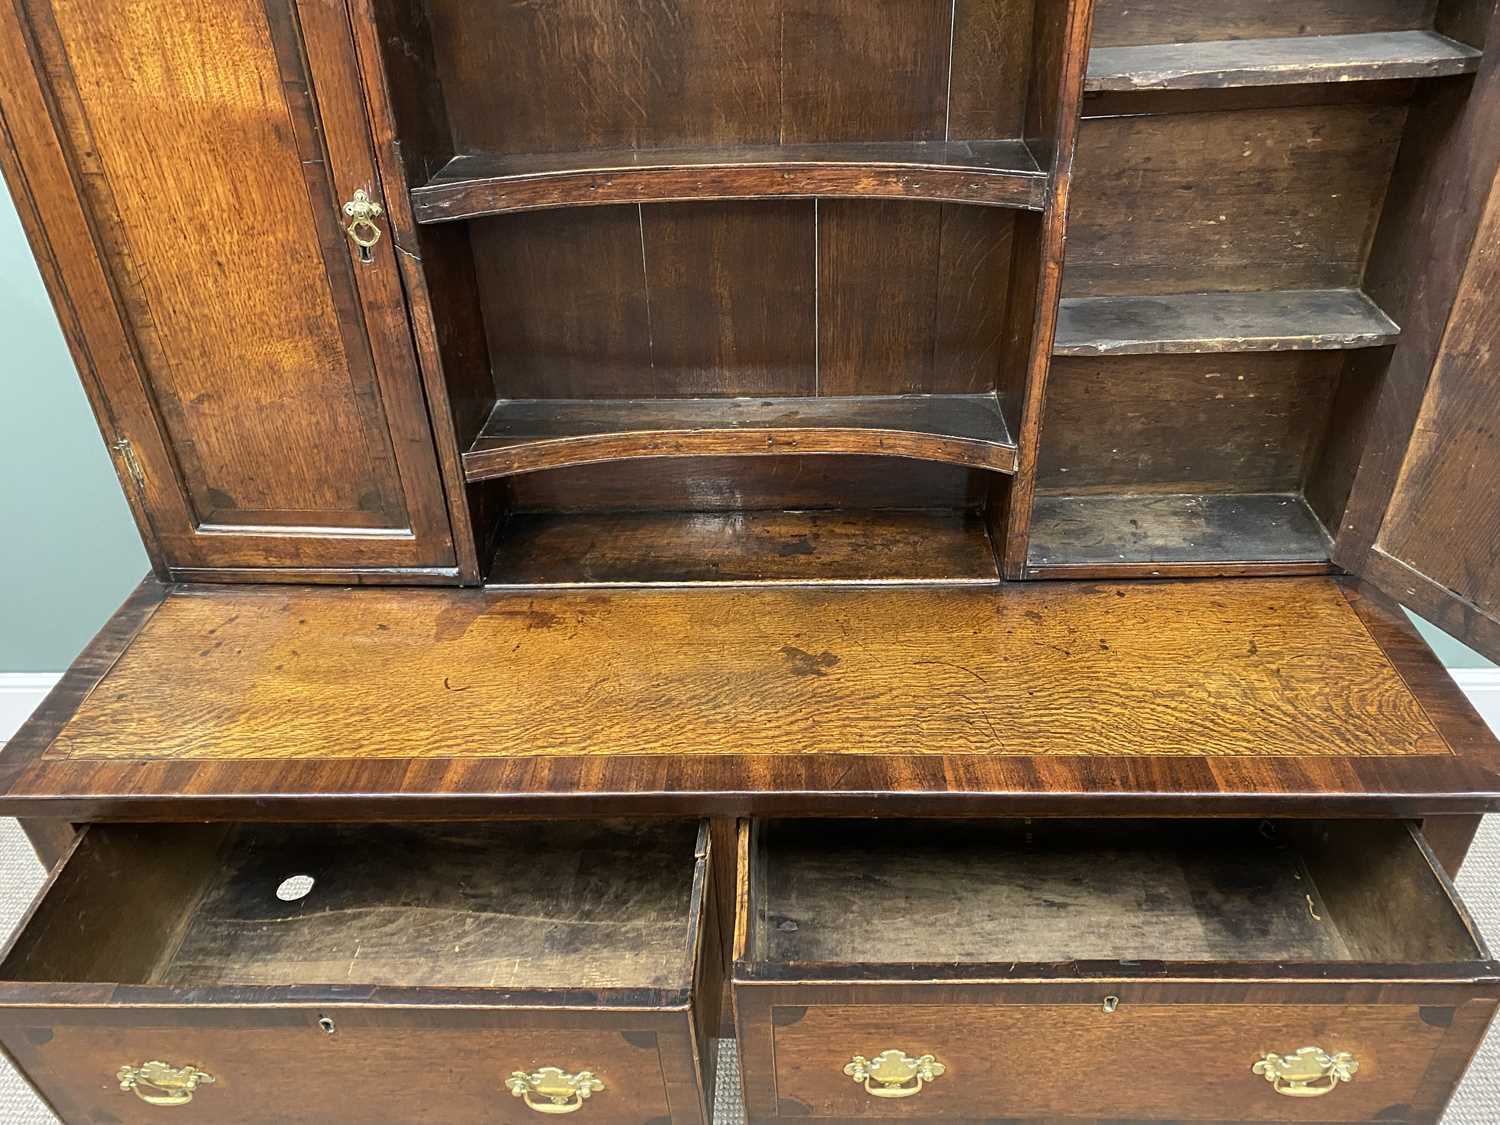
182 169
1438 546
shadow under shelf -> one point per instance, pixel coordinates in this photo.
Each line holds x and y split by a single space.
529 435
1000 173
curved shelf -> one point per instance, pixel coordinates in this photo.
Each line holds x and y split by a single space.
1289 61
526 436
1000 173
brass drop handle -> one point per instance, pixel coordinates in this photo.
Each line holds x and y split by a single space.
550 1090
158 1083
894 1074
362 230
1310 1072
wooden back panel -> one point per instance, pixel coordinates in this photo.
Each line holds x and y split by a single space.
1120 23
598 74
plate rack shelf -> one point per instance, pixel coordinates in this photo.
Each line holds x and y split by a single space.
906 292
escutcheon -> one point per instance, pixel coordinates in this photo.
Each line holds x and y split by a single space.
362 230
1309 1073
894 1074
550 1090
158 1083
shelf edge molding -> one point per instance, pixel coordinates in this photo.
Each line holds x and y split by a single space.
1293 60
1211 323
999 173
525 436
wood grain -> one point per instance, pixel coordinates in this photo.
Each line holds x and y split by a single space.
343 365
806 548
991 173
1000 891
855 673
733 302
1442 188
1439 544
750 484
569 905
524 436
1185 423
1290 60
1229 201
324 1078
1120 23
1352 713
1277 320
1156 533
1014 1047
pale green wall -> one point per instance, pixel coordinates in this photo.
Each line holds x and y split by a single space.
69 552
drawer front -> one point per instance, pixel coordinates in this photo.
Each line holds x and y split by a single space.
361 1072
1140 1061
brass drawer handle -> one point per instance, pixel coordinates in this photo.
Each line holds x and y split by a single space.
549 1090
894 1074
1309 1073
157 1083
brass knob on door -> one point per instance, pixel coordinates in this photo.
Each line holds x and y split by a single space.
1310 1072
894 1074
159 1083
550 1090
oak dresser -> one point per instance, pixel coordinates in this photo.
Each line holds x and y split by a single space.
872 527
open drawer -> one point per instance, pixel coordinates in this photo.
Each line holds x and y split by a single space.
1140 970
322 973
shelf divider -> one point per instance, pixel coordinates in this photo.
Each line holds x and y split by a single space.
523 436
1201 323
1000 173
1293 60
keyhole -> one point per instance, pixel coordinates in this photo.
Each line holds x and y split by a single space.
365 255
326 1024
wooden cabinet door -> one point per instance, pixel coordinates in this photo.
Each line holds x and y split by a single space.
1438 547
1423 523
180 166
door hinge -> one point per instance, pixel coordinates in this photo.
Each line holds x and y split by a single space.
132 466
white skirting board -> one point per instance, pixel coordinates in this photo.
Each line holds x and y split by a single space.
21 692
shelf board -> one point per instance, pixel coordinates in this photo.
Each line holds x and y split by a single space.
1294 60
608 549
1099 535
1198 323
997 173
523 436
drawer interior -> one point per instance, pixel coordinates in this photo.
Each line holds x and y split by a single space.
1046 891
510 906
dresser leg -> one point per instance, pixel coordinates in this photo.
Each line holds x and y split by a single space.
51 839
1450 838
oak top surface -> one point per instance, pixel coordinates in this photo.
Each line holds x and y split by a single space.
1252 686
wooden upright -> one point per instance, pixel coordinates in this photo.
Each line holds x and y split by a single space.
875 528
